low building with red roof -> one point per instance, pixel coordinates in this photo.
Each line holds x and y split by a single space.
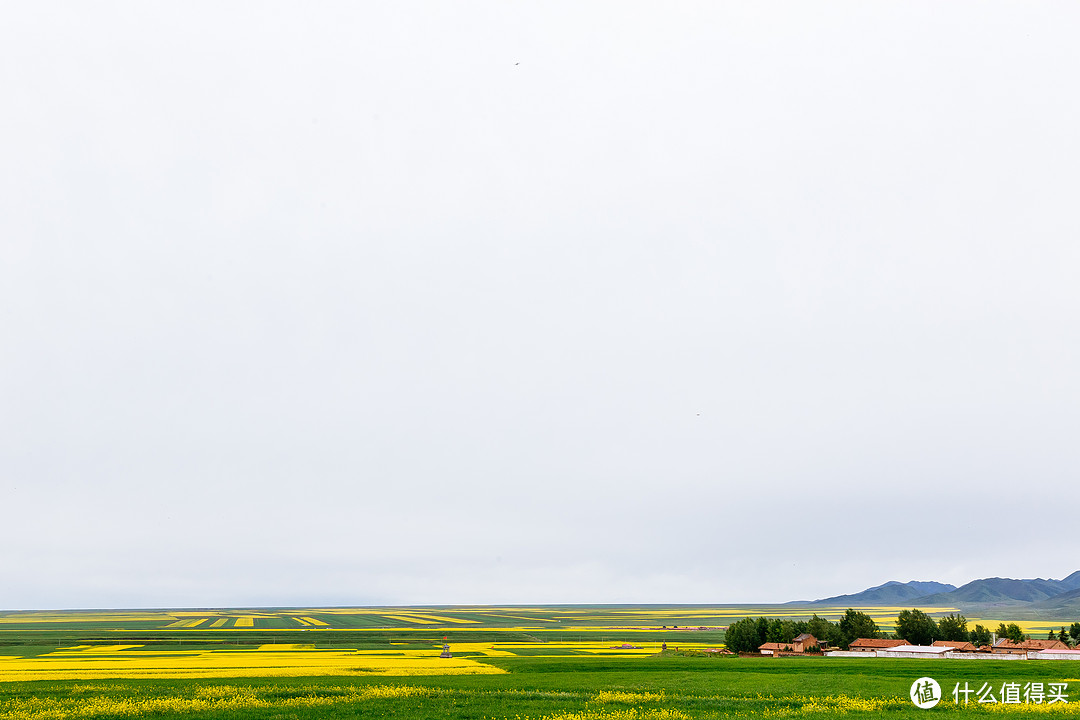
874 644
1006 646
773 648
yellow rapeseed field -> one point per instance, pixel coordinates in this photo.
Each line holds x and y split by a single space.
19 618
83 662
214 698
129 661
411 619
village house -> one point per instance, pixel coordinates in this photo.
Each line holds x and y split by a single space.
874 644
803 643
774 648
1007 647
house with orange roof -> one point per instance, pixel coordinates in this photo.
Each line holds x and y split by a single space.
874 644
1008 647
802 643
771 648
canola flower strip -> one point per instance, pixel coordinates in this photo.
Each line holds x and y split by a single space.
111 661
225 698
617 696
216 699
620 714
85 662
89 701
765 706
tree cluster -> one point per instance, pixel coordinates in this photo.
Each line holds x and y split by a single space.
1011 632
749 634
913 626
918 628
1070 637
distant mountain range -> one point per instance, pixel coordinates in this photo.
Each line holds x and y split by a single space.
1036 594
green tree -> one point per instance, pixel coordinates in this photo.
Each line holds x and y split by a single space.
818 627
979 636
1011 632
952 627
855 625
828 633
916 627
1074 632
762 632
742 636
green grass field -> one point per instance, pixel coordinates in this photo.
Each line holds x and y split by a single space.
661 687
514 664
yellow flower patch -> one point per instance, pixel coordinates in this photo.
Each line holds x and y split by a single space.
266 661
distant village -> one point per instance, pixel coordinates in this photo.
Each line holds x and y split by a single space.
1003 649
917 635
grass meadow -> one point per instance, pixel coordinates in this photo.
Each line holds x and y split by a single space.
509 663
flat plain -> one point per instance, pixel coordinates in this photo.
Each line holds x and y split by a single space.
565 663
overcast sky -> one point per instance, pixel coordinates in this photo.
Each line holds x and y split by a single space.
526 302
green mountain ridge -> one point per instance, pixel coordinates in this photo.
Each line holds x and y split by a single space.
1033 594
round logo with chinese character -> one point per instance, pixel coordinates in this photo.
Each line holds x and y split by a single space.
925 693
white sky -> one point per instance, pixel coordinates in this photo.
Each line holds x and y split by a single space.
462 302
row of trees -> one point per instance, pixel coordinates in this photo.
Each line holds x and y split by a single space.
919 629
1072 637
749 634
914 626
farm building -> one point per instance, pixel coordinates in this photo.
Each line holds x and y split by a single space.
1008 647
873 644
801 644
774 648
